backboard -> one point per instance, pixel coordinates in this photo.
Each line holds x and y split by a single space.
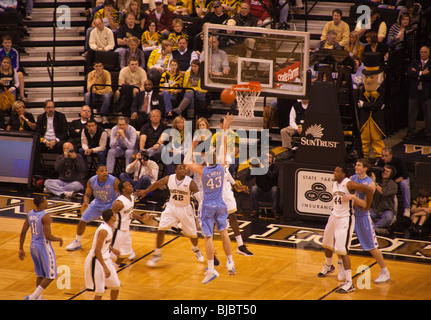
278 59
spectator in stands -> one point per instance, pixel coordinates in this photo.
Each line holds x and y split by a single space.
421 210
218 16
259 10
8 51
401 176
100 39
28 9
357 74
151 38
52 126
159 61
184 55
150 134
296 121
266 186
373 45
94 140
203 7
330 42
180 8
179 144
419 93
144 170
171 78
244 18
341 28
192 79
132 51
109 16
131 80
71 172
8 5
397 32
376 24
144 102
219 64
133 7
383 208
126 31
77 125
20 120
177 33
163 18
9 82
123 142
414 10
354 48
102 92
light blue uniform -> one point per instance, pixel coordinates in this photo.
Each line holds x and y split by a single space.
104 197
213 209
364 227
42 253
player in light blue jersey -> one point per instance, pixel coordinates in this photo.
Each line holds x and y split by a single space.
213 209
42 253
104 187
364 227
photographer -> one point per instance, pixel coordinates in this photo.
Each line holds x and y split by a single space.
71 171
266 186
383 209
145 171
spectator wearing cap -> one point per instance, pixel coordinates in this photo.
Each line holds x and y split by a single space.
218 16
163 18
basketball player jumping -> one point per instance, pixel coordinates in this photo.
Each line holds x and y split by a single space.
339 228
213 209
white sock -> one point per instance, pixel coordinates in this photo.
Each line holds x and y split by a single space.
229 258
195 248
348 275
157 251
78 238
239 240
211 264
36 294
328 261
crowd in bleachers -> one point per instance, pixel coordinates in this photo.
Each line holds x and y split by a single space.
140 56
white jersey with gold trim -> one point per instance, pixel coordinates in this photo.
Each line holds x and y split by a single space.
341 209
180 190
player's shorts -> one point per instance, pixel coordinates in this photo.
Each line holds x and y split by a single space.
364 229
122 241
174 214
95 278
338 234
45 264
229 200
95 210
213 213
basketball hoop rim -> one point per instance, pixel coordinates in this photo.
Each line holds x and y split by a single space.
252 86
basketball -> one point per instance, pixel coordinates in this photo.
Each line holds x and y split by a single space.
227 96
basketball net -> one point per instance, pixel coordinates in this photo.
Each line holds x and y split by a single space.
246 96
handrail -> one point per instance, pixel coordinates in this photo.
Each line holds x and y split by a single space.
50 69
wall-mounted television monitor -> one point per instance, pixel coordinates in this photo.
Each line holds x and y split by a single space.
17 151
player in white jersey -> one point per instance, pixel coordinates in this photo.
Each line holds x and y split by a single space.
178 209
123 207
99 268
340 225
42 253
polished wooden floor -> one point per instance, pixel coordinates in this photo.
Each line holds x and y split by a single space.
273 273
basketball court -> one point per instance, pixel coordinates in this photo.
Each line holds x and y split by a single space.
285 264
287 256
